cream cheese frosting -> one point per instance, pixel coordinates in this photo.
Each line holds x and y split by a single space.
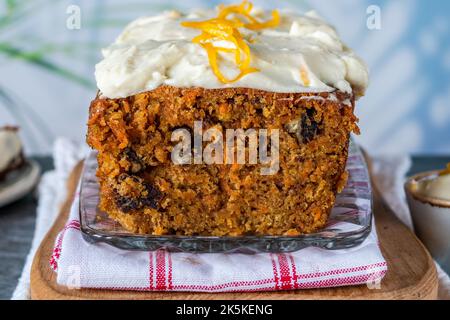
438 187
157 50
10 147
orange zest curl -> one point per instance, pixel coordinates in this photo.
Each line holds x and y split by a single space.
304 76
223 28
244 9
445 171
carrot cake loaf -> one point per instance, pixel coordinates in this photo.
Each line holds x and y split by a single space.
225 122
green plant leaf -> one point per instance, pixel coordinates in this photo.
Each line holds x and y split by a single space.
19 10
11 5
37 59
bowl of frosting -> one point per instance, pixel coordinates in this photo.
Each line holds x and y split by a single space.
428 196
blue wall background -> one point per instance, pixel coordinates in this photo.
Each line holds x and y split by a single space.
46 70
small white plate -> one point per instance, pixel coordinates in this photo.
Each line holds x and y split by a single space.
19 183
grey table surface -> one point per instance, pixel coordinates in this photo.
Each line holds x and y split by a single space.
17 224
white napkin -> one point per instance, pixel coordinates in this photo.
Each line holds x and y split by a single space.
80 264
66 155
51 194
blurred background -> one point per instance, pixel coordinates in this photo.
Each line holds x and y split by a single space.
47 69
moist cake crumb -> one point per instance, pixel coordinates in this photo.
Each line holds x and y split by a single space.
147 193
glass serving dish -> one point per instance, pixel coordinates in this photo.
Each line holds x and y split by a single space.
348 225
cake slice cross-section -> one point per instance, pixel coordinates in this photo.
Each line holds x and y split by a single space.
156 79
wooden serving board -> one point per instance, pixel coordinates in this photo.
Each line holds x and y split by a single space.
411 271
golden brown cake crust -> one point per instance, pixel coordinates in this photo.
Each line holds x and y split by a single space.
143 190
